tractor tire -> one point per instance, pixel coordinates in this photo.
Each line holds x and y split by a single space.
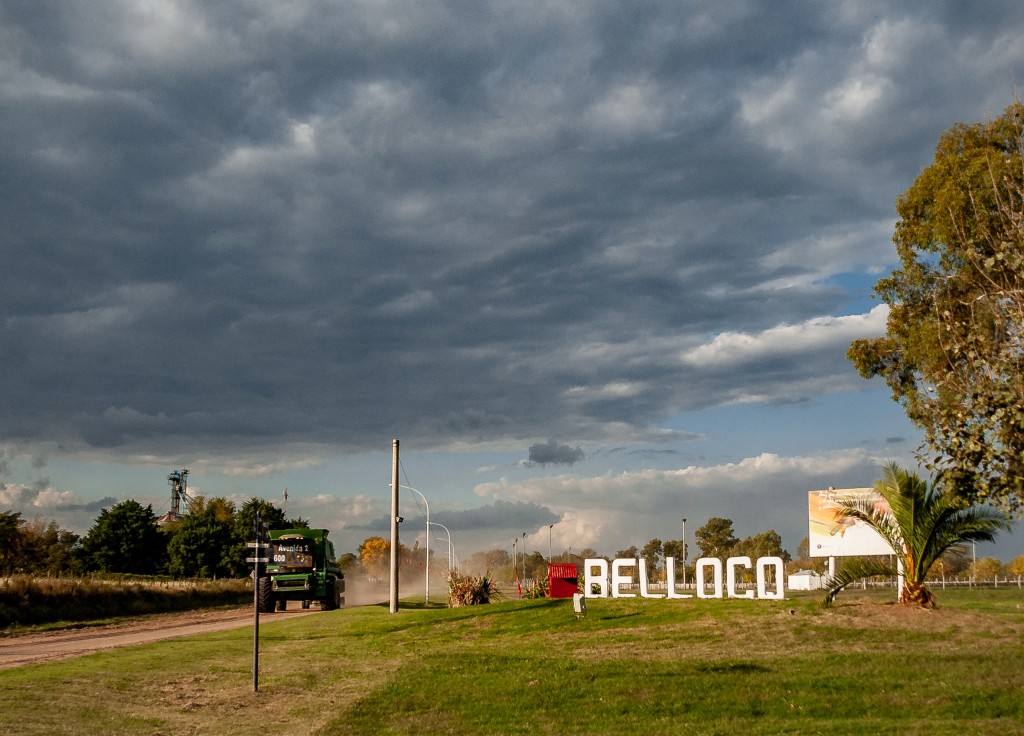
282 605
305 605
264 595
330 601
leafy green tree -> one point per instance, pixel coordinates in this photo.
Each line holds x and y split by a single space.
205 544
765 544
987 568
920 522
536 565
10 541
716 538
48 549
953 354
631 552
348 562
651 553
1017 566
803 559
678 550
125 539
245 518
375 556
954 561
493 562
578 558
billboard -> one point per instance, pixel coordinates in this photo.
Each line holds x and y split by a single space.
831 536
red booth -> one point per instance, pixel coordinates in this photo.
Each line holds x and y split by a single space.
563 580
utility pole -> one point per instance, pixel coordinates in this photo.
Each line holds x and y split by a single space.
394 526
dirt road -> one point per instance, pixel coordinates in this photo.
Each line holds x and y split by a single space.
17 650
30 648
25 649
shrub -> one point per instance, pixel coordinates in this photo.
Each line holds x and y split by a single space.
27 600
465 590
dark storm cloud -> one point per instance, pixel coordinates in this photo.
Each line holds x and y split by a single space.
91 506
232 226
553 453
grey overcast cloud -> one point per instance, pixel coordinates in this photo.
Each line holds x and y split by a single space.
595 264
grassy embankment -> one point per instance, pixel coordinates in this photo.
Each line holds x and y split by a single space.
32 601
631 666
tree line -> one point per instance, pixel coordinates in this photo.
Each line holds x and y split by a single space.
209 542
715 539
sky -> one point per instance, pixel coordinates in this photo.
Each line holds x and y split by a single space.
596 265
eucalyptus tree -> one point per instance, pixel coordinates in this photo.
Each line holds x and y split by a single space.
953 352
716 538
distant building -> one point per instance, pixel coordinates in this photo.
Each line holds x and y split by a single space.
169 518
805 580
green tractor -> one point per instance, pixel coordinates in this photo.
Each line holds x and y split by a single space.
300 567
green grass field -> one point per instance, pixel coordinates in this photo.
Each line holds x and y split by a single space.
530 667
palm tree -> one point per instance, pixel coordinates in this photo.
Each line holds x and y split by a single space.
920 523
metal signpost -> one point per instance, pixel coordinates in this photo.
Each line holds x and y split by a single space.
261 546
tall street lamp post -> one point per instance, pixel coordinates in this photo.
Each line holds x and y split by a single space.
450 568
524 556
426 584
684 553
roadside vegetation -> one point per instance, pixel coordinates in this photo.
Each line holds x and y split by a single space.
630 666
209 542
127 564
31 601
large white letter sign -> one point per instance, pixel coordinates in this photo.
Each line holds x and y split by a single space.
619 579
763 563
730 576
600 580
716 565
670 576
644 592
596 575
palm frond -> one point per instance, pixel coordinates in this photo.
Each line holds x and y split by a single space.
921 522
854 569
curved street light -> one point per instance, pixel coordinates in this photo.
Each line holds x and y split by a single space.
524 556
426 591
449 545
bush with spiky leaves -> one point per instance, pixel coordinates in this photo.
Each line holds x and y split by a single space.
920 521
466 590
